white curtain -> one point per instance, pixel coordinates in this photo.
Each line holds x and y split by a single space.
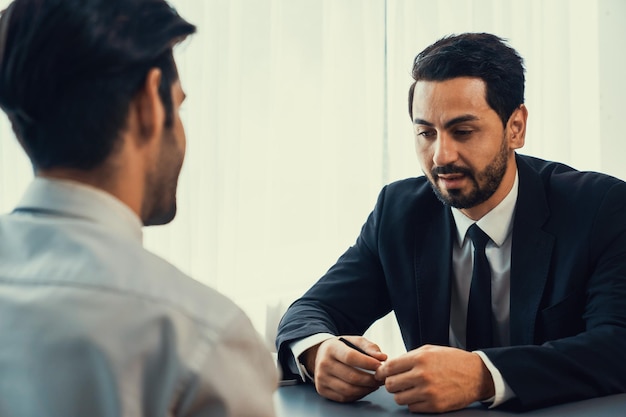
297 115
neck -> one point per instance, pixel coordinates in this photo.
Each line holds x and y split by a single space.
119 184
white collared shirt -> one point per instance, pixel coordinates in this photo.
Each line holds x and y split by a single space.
91 323
498 225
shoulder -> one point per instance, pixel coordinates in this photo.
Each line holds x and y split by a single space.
563 182
160 283
80 254
157 288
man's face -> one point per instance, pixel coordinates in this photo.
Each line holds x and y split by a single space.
461 144
161 182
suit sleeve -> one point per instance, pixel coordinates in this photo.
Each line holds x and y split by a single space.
590 363
346 300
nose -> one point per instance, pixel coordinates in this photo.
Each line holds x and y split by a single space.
445 150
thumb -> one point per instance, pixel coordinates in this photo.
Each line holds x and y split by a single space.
370 348
374 351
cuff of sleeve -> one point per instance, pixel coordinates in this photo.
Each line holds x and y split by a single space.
298 348
503 392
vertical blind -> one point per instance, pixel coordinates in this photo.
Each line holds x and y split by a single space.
297 115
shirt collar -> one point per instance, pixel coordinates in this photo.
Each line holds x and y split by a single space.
73 199
497 224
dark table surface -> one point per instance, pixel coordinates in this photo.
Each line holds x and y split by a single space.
303 401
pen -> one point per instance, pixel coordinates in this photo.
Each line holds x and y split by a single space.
353 346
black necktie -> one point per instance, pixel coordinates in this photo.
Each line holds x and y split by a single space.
478 330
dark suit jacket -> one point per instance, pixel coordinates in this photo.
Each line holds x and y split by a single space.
568 282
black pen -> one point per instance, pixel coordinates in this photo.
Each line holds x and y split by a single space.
355 347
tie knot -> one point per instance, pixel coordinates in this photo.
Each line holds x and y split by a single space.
479 238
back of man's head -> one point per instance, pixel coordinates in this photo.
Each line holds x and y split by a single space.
69 69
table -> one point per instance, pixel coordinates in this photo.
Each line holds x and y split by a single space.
303 401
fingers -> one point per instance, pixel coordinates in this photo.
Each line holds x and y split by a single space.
343 393
416 389
370 348
345 385
426 402
330 366
371 360
424 357
399 365
337 376
434 379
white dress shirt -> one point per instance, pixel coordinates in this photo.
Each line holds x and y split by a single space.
498 225
92 324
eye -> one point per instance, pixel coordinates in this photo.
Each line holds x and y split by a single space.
463 132
426 133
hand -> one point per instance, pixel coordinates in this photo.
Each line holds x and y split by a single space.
436 379
334 368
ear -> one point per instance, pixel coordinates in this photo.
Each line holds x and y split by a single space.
517 127
148 107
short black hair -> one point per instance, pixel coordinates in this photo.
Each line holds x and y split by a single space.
480 55
70 68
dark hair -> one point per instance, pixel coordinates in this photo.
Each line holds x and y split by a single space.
69 69
480 55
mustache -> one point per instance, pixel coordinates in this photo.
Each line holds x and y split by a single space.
450 169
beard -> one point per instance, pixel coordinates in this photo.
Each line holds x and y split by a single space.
161 183
484 183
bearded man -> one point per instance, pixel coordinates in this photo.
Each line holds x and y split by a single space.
506 273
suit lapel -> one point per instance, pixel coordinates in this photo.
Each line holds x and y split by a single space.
531 252
433 263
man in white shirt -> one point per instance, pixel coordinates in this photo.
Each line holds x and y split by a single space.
506 273
91 323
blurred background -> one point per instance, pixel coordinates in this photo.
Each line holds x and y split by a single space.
296 116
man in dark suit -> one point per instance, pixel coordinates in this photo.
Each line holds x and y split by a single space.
553 324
